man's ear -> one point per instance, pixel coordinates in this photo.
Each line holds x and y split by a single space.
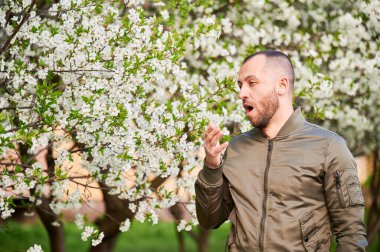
283 85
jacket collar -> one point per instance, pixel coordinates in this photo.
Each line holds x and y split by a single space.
292 124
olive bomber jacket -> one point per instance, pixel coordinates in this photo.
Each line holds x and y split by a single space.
289 193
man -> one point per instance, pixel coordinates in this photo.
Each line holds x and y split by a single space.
286 185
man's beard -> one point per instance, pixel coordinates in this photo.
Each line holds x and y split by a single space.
265 111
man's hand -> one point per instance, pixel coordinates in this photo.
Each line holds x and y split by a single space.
212 146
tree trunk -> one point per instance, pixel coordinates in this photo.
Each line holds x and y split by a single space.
56 235
181 239
47 216
177 213
106 245
200 238
117 211
203 236
373 215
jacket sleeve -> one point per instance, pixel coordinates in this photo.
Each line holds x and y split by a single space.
344 197
213 199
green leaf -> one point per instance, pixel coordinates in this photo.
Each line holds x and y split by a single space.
53 30
98 8
18 169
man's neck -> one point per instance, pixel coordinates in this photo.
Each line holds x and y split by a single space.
278 120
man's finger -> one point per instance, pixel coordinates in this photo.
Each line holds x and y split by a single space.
212 134
216 138
222 147
210 128
207 131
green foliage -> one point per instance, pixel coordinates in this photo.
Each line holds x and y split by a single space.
46 99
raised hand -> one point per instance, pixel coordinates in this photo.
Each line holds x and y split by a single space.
212 146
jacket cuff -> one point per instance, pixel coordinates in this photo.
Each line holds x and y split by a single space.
211 176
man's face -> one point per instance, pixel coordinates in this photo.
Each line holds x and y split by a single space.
258 91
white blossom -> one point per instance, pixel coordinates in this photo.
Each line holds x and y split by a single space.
87 232
98 240
124 227
35 248
184 225
165 14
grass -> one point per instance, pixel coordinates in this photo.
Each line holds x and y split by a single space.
142 237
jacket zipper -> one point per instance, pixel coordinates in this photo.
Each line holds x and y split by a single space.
338 188
264 212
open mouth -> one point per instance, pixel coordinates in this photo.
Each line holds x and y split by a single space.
248 108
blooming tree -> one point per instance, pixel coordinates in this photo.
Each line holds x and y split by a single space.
111 77
133 84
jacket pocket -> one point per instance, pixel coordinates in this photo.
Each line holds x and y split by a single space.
354 191
325 233
348 188
310 238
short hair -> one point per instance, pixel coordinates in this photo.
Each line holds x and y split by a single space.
279 59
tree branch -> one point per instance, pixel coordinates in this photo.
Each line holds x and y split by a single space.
24 18
29 125
14 108
22 165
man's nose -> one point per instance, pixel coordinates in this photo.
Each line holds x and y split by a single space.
243 93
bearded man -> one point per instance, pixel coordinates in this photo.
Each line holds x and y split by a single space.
287 184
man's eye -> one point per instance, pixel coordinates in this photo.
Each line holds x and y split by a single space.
252 83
